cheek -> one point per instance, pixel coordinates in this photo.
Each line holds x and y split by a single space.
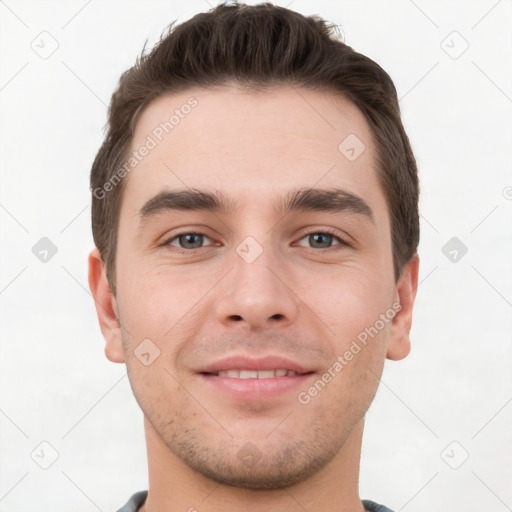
156 390
147 298
350 301
344 392
168 308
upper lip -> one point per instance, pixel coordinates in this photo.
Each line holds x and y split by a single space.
253 363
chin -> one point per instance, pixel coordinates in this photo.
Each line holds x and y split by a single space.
247 467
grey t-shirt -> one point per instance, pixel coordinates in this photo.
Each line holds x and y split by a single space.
136 501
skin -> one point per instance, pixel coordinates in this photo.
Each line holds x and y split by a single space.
296 299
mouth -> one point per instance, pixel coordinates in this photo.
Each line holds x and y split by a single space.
247 367
249 379
255 374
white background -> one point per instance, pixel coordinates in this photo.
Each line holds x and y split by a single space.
57 385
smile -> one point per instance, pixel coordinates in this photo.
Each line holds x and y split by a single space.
255 374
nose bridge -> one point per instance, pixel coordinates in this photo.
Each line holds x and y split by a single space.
254 294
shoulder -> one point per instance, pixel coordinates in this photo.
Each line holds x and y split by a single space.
135 502
374 507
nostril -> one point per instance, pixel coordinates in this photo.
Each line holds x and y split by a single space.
236 317
277 316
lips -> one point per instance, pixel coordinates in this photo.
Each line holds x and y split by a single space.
249 379
244 367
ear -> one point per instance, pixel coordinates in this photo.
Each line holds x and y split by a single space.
106 308
400 344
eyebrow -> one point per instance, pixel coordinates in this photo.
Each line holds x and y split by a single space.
302 199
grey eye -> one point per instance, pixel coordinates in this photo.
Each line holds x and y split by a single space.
188 240
319 240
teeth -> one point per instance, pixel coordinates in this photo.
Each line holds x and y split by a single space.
248 374
257 374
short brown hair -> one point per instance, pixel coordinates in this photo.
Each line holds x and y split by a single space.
258 47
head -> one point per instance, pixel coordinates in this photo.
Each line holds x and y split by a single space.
256 198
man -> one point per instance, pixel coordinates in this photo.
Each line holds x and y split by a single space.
255 215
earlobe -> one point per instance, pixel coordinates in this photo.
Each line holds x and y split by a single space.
399 343
106 308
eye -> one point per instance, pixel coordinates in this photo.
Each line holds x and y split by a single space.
321 240
188 240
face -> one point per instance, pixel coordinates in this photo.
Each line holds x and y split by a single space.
255 287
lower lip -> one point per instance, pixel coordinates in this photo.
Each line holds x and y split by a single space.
256 389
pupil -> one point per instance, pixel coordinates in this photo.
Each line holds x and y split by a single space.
320 240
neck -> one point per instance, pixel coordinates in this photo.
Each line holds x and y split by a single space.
173 486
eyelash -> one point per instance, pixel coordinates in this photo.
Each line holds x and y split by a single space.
327 231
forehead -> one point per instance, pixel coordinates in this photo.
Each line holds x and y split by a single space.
252 144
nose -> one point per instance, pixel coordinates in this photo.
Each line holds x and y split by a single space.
256 294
